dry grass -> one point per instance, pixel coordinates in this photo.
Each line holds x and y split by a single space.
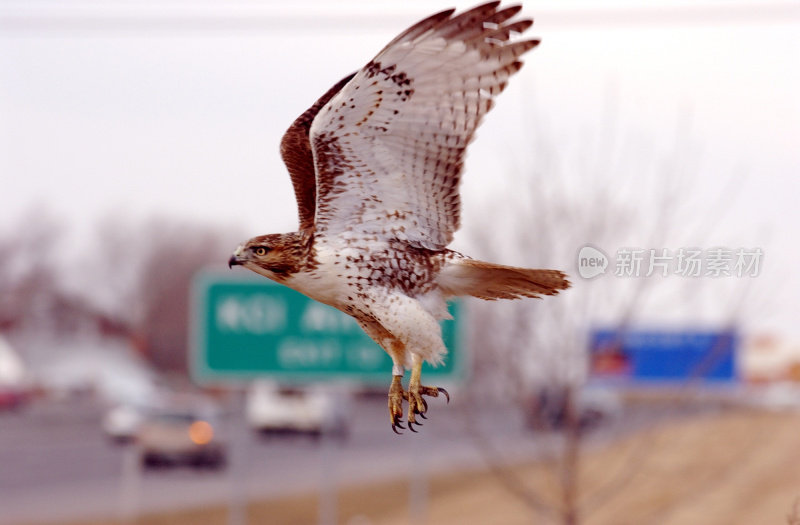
740 467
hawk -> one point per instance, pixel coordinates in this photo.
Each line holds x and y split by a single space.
376 164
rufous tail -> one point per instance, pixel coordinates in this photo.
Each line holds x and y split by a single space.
494 281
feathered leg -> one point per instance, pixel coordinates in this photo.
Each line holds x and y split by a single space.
396 397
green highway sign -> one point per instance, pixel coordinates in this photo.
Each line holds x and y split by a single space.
247 327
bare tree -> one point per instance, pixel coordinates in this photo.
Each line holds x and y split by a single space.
132 283
28 251
148 276
610 195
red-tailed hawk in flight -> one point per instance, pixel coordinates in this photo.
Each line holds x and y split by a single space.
376 164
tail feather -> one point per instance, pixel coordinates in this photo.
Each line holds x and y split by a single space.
494 281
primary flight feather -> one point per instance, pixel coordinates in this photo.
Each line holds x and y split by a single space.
376 164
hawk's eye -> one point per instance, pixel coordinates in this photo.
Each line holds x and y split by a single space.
261 251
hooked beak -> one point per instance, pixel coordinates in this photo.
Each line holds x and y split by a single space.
236 258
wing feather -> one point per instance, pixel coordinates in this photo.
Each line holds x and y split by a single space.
389 146
296 154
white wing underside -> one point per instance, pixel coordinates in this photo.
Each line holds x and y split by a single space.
389 147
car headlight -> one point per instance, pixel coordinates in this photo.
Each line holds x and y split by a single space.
201 432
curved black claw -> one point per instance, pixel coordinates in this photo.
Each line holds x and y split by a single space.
397 425
411 426
423 416
424 407
446 394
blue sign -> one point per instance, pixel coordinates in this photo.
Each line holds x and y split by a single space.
663 356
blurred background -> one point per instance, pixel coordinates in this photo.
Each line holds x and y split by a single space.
139 146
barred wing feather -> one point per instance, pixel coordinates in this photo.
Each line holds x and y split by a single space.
389 146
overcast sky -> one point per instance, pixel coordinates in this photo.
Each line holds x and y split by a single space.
178 107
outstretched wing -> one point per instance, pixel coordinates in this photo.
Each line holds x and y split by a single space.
389 146
296 153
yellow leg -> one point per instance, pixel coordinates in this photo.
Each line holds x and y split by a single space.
416 403
396 396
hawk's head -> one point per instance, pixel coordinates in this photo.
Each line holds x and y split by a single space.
276 256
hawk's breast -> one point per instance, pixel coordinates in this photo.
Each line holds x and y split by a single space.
348 271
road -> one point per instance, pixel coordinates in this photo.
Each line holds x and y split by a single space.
56 464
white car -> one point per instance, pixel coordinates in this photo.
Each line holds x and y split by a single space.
122 422
312 410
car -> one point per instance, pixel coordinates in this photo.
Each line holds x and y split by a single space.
122 423
14 380
13 399
180 437
312 410
777 397
547 408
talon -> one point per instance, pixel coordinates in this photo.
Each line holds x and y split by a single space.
415 397
396 397
446 394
